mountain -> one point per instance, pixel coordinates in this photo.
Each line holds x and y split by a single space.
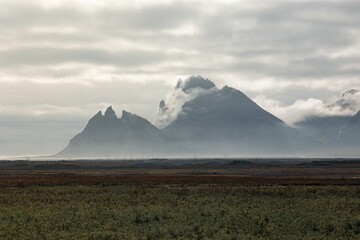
221 110
184 91
198 118
326 128
323 128
107 135
226 121
348 137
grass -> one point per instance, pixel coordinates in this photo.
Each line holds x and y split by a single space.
178 212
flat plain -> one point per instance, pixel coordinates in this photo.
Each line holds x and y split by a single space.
180 199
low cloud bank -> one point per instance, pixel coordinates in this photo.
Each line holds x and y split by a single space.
347 105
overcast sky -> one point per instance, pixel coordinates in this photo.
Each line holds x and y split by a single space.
62 61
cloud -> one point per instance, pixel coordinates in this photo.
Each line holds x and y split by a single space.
299 111
140 98
56 56
61 56
185 91
283 40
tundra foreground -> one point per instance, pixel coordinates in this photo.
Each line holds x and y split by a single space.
180 212
204 199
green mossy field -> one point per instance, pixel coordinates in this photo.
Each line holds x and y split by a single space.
180 212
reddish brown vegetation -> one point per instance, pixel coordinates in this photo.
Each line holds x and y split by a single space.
54 179
26 173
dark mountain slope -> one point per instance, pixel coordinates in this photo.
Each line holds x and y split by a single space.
228 122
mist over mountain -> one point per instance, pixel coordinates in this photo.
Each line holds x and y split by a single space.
330 129
184 91
349 101
323 128
340 134
198 118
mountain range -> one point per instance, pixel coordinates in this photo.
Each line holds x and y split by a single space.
108 135
200 119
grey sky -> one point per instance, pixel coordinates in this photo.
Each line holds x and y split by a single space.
62 61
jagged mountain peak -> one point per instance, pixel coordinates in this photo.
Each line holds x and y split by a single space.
127 115
99 113
110 136
110 113
97 117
